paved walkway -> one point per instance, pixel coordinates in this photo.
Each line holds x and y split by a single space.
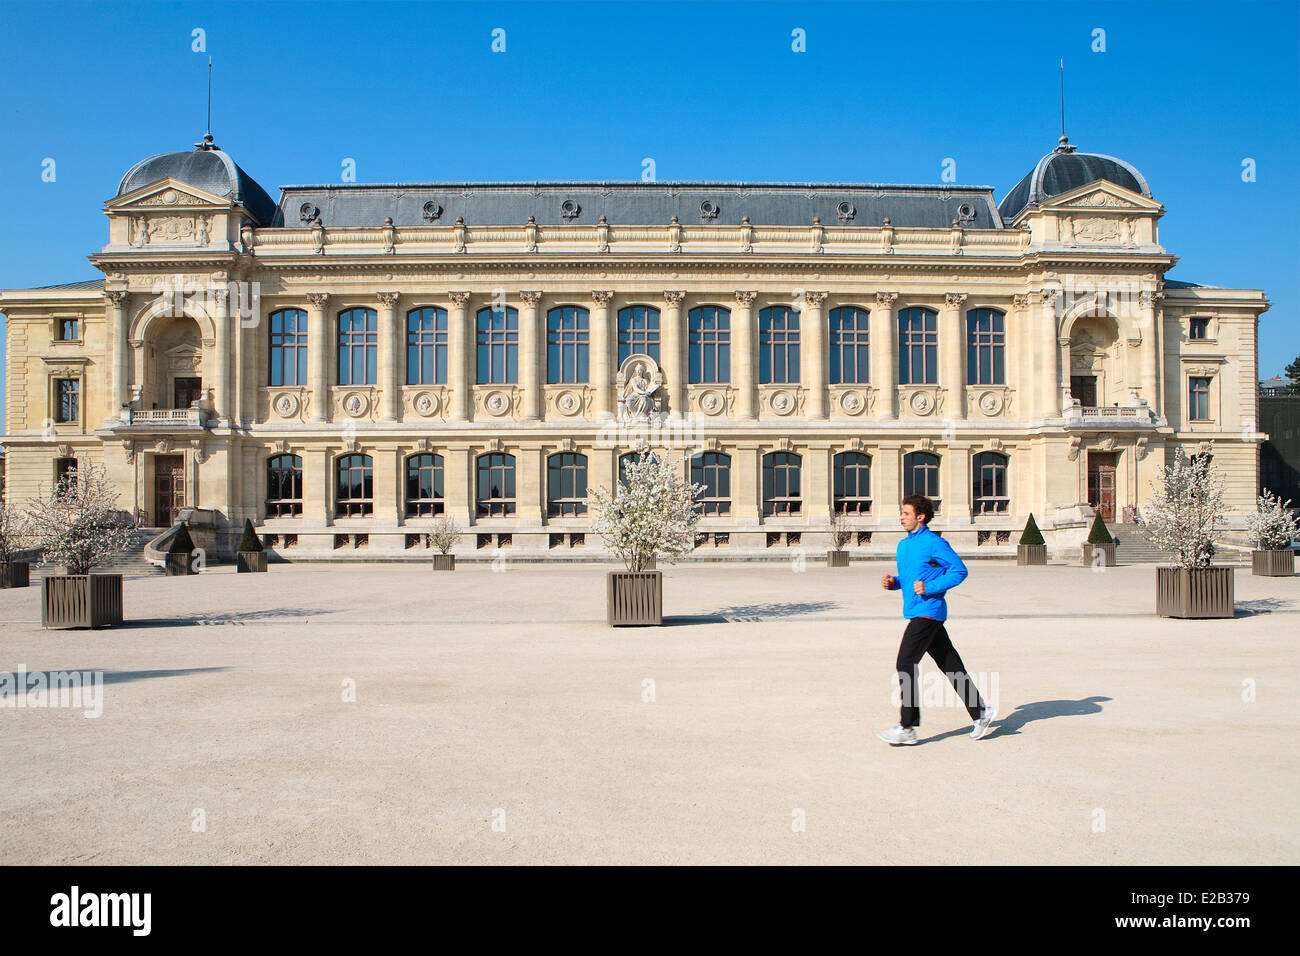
502 698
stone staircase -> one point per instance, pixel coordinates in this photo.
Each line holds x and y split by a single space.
130 563
1134 548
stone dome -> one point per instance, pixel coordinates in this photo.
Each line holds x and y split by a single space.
206 167
1065 168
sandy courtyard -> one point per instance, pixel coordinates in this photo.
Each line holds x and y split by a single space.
498 720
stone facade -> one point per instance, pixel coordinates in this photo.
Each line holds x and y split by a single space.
183 318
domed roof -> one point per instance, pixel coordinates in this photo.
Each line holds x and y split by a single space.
208 168
1063 169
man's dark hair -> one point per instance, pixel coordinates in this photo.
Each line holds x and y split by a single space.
922 505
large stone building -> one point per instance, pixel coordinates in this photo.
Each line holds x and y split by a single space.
352 362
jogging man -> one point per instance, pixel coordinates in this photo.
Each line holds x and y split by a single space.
928 568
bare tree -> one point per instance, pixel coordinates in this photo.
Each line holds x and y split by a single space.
841 531
15 533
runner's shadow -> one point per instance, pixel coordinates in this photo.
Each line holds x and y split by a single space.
1027 713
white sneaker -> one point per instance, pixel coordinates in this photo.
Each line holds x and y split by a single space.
898 735
983 726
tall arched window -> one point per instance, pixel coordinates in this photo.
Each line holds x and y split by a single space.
424 492
498 346
712 469
851 483
566 484
778 346
989 483
709 334
781 488
284 486
426 346
495 493
985 347
921 476
288 342
566 345
358 346
354 494
638 332
918 347
850 354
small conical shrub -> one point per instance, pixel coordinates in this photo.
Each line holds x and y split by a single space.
1031 534
182 543
250 540
1099 534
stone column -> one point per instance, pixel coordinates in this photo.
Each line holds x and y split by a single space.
221 319
1020 352
746 486
458 484
388 491
744 356
601 378
672 351
1061 374
1151 346
319 352
957 489
460 358
812 338
884 354
887 486
952 354
532 352
120 393
391 340
816 488
1042 320
317 479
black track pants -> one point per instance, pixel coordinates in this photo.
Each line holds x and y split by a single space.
926 635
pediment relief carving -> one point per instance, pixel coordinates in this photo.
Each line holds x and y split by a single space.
167 193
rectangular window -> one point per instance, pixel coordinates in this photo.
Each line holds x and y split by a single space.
68 330
985 347
1199 328
426 347
288 348
638 332
67 400
1198 399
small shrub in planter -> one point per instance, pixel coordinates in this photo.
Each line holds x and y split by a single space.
653 510
1032 549
78 528
841 534
251 556
1099 551
1181 518
15 537
444 536
179 560
1272 528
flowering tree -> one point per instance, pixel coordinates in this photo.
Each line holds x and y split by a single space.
841 529
1272 526
445 534
15 532
1186 509
77 525
653 511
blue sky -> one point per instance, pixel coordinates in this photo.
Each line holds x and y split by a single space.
884 93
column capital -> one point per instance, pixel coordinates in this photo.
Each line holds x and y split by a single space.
954 299
318 299
886 298
1148 300
746 298
1020 301
674 298
459 298
603 297
532 298
117 297
815 298
388 298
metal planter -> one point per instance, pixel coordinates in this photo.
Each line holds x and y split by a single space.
178 565
1272 564
15 574
1090 551
634 597
837 559
1195 592
249 562
81 600
444 562
1028 554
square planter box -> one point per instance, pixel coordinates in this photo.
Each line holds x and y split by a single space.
1273 564
837 559
1031 554
177 565
247 562
634 597
15 575
444 562
81 600
1195 593
1108 550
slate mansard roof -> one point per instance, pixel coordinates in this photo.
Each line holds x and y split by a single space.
1063 169
209 169
638 203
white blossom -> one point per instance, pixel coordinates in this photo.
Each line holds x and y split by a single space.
1272 526
445 534
653 512
15 532
1186 509
77 525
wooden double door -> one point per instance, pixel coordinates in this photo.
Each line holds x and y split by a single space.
1101 482
168 488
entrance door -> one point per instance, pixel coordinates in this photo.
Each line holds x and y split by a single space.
187 390
1084 388
169 488
1101 482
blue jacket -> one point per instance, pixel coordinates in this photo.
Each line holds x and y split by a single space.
924 556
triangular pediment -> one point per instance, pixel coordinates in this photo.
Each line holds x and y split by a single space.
167 193
1101 194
